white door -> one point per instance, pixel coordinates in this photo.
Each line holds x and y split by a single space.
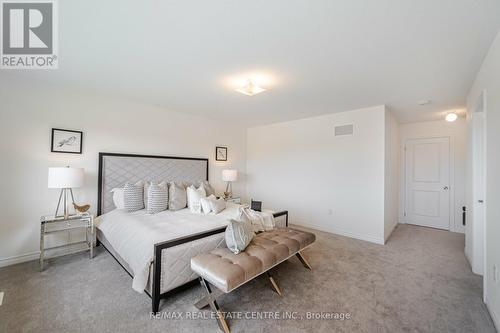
428 182
478 192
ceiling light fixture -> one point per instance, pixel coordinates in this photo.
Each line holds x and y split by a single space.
451 117
250 88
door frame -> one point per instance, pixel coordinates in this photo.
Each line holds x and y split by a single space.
452 220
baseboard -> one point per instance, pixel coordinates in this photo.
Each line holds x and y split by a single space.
494 317
342 232
19 259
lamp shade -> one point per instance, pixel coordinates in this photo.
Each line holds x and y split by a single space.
65 177
229 175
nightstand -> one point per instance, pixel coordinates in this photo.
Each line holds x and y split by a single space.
50 225
236 200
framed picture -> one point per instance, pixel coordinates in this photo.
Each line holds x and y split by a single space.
221 153
66 141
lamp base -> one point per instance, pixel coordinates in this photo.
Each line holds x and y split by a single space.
63 196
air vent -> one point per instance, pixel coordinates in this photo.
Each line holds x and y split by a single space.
344 130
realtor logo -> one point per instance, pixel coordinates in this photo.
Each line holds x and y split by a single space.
29 34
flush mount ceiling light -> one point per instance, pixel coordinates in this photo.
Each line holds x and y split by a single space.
250 88
451 117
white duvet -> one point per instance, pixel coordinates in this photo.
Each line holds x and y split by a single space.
133 235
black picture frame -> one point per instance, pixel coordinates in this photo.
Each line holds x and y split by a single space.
55 147
221 153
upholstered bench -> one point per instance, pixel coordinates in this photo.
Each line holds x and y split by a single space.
228 271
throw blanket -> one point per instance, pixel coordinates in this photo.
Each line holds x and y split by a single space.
261 221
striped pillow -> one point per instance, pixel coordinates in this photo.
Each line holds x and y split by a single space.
157 198
133 195
147 184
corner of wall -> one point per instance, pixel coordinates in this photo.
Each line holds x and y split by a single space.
391 174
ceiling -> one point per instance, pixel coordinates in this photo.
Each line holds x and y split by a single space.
317 57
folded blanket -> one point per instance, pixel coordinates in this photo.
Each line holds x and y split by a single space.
261 221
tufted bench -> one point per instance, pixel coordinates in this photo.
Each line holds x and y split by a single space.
227 271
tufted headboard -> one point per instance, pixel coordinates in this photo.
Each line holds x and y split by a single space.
117 169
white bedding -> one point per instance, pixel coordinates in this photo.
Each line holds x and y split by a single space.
133 235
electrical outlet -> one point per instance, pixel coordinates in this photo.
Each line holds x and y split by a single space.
495 277
330 212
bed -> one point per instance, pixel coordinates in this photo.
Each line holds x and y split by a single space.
156 250
168 271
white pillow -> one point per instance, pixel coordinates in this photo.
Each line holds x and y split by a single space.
118 198
217 206
238 235
193 198
205 203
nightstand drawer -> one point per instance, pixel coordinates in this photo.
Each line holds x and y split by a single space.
65 225
234 200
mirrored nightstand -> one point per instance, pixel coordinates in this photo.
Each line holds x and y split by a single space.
50 225
236 200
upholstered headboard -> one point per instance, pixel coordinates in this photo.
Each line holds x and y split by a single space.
117 169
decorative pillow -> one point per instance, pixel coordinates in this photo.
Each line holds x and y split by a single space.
146 191
157 198
217 206
238 235
205 203
118 198
133 195
176 196
193 198
209 190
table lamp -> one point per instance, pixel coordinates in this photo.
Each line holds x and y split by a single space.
66 179
229 176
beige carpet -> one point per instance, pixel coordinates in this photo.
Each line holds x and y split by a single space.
419 282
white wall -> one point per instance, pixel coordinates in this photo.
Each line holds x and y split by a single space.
392 147
329 183
28 111
457 132
488 79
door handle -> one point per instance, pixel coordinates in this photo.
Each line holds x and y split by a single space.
480 201
446 188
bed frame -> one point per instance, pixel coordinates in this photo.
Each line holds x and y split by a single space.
103 206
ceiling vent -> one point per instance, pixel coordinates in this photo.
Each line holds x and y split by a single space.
344 130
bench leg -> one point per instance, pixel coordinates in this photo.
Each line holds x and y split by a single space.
204 302
303 260
215 307
274 284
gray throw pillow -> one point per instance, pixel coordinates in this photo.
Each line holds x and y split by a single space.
157 198
133 196
177 197
209 190
238 235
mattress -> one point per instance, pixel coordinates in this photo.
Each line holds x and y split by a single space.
131 237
